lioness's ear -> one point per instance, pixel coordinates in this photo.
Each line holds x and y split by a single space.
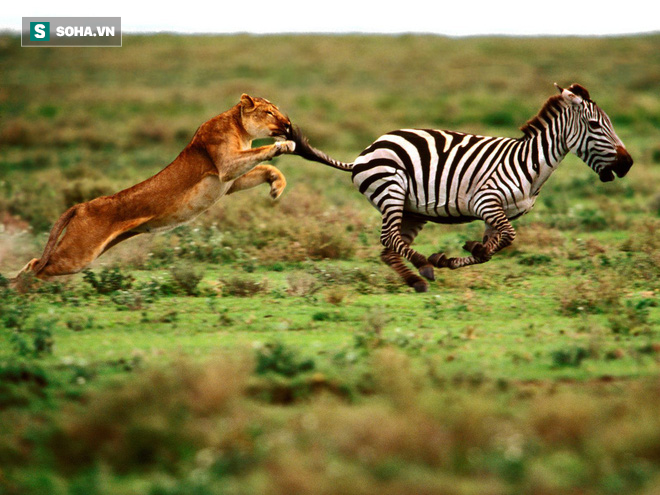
247 102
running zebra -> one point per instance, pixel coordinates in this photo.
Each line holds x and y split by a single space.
413 176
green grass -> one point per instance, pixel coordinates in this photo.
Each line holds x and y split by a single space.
298 362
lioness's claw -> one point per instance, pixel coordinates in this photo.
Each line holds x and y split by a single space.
285 146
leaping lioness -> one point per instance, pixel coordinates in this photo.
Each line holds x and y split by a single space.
219 160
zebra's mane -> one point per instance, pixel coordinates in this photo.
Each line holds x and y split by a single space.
537 123
551 108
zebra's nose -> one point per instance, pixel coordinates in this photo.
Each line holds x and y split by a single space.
623 162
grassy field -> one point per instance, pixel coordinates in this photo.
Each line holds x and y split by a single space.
264 348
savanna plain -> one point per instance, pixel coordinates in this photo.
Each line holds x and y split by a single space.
264 348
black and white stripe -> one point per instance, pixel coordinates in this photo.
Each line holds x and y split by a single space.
417 175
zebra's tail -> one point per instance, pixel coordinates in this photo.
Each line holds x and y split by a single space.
308 152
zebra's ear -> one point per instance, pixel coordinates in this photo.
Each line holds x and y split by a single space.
569 97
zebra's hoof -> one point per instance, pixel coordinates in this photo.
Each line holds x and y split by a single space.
438 260
477 249
421 286
426 271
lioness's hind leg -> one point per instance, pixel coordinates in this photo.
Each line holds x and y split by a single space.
26 269
88 235
259 175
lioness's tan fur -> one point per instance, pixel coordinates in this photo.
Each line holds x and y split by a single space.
219 160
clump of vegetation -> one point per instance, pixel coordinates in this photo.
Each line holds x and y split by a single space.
21 383
277 358
14 310
336 295
130 300
79 322
632 317
569 357
591 296
108 280
243 286
35 339
187 278
302 284
30 335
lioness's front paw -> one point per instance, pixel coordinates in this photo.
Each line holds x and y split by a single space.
277 185
284 147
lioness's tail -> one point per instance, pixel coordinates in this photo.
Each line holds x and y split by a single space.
54 236
308 152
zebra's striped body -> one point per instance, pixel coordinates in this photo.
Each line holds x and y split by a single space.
417 175
443 173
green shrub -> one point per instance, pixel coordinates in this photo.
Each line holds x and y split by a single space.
108 280
35 340
14 310
131 300
631 317
276 358
302 284
187 278
243 287
20 382
569 357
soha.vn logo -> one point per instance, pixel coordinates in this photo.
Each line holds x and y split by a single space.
71 31
40 31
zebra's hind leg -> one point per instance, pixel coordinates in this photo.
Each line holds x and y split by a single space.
394 261
390 236
409 230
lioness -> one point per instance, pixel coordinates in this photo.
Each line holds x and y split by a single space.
219 160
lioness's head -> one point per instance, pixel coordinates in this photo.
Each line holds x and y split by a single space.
262 119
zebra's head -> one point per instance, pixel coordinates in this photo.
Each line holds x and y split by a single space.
593 138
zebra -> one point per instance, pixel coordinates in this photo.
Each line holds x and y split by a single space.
415 176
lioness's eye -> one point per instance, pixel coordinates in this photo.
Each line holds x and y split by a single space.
270 113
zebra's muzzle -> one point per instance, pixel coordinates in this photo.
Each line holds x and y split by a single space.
621 165
623 162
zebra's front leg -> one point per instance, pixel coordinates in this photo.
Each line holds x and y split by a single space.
479 249
498 235
440 260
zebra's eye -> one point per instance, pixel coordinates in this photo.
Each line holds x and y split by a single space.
594 125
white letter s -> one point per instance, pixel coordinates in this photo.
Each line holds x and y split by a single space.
39 31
